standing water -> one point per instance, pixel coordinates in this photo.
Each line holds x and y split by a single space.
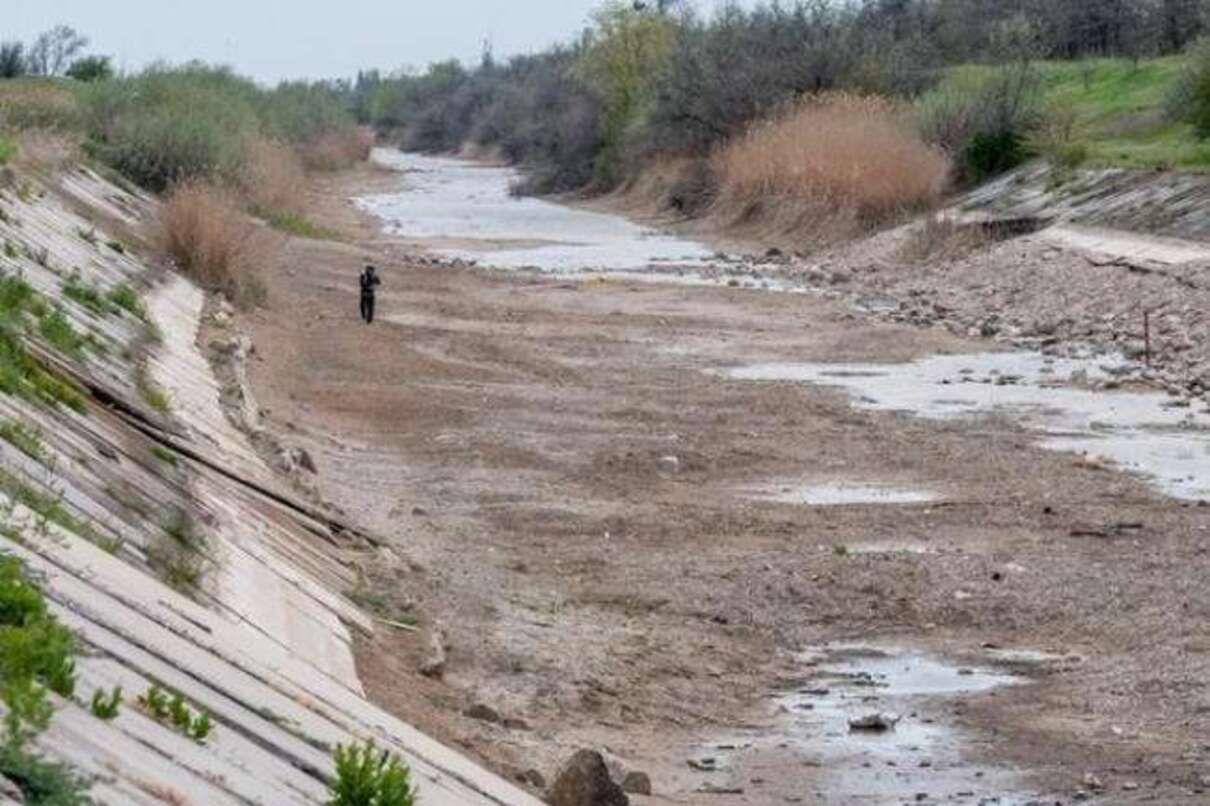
466 210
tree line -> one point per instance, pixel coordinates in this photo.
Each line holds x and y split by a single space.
648 78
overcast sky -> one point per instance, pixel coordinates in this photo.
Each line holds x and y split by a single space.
274 39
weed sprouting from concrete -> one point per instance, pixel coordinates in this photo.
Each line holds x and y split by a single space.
178 555
175 711
366 776
153 395
25 438
106 706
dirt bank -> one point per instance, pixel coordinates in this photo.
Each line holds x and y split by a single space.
567 485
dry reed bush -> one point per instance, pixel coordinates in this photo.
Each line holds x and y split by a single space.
274 178
828 168
338 149
203 228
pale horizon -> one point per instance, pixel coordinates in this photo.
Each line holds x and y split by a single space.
274 40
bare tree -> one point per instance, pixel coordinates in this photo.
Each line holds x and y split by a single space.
54 50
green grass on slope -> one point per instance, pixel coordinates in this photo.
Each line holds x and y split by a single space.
1119 109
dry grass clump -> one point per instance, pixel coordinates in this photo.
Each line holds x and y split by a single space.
37 103
338 148
274 178
828 168
205 231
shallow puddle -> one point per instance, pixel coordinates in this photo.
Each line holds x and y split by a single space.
923 758
466 210
919 759
1139 431
845 494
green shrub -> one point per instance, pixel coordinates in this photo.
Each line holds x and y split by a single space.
1189 99
106 706
8 150
37 654
366 776
42 782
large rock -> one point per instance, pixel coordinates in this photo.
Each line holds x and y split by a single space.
584 781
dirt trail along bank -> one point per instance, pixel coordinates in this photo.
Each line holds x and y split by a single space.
624 536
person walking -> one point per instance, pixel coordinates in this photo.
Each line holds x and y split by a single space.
369 283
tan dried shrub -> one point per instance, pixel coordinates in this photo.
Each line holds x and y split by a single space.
830 167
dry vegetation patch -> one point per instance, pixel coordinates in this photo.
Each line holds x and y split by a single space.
828 168
203 228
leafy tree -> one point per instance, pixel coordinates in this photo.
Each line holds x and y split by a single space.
12 59
627 51
91 68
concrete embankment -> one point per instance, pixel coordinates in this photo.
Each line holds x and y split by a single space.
169 545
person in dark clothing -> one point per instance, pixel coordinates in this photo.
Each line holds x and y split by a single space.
369 282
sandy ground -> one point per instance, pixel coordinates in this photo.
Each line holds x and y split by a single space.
512 436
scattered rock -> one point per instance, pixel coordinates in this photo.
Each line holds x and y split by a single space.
703 764
1092 781
584 781
434 665
875 722
670 464
637 783
483 713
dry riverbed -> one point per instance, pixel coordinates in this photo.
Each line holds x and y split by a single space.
623 543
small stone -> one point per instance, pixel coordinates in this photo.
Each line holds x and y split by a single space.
670 464
1092 781
584 781
637 783
878 722
1130 786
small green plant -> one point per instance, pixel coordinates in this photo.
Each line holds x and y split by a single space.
87 295
164 455
177 556
176 712
59 333
10 250
106 706
294 224
124 297
25 438
153 395
366 776
116 246
201 728
8 150
840 550
155 702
